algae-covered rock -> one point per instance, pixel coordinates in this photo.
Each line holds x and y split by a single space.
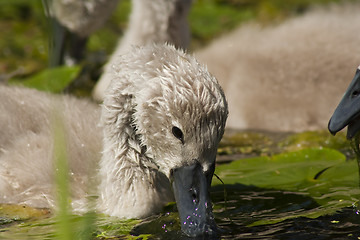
241 144
316 139
22 212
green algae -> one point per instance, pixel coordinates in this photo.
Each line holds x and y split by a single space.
320 173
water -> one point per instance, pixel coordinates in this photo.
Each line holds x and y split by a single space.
309 191
246 205
250 204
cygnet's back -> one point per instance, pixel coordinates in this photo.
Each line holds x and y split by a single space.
287 77
26 123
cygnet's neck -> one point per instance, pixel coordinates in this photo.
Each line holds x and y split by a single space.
158 21
131 185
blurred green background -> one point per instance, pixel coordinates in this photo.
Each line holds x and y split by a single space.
24 31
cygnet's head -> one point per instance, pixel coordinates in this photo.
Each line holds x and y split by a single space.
178 114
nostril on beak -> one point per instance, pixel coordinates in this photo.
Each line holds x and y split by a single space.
195 196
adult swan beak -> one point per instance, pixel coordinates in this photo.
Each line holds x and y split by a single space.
347 112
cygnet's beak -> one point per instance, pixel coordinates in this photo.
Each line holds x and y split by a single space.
191 189
347 112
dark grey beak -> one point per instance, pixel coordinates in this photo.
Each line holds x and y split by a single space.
347 112
191 189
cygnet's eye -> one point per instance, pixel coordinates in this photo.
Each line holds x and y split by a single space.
178 134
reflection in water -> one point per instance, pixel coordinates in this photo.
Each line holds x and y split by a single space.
244 206
355 144
342 225
251 204
248 204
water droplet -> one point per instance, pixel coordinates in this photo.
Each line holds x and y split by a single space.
164 227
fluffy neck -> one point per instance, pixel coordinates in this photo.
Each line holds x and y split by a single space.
158 21
131 186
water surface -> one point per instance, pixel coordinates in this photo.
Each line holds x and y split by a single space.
273 186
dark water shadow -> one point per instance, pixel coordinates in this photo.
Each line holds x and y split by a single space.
241 205
248 204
